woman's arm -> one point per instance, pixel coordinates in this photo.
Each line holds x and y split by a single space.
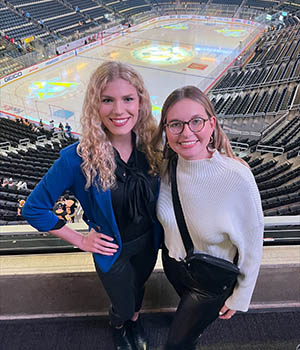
38 206
93 242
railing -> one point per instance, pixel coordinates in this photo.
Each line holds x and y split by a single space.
230 126
271 127
278 230
41 138
269 149
24 142
240 146
5 145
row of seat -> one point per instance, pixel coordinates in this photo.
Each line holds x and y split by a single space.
281 180
289 210
239 80
52 8
258 102
267 175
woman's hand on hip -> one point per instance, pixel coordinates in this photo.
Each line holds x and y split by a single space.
100 243
226 313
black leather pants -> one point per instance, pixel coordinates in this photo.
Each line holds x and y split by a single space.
125 281
197 308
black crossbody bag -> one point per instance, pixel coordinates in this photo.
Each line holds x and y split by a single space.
206 271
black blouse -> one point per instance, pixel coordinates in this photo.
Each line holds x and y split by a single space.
133 198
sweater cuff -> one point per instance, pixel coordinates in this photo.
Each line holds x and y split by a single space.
60 223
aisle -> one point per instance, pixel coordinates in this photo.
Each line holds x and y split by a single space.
250 331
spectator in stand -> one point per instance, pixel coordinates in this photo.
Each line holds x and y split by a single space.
5 183
51 125
21 185
61 127
11 184
19 46
26 122
41 128
34 128
20 206
68 131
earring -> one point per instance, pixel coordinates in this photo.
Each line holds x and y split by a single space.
210 146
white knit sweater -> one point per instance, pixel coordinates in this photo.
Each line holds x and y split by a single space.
222 209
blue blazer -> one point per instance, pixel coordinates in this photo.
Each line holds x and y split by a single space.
66 174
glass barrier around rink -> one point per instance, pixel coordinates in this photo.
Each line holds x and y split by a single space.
35 110
89 32
236 59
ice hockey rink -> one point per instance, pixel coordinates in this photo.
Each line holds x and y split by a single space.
168 54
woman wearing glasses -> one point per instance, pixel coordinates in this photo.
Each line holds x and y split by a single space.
222 210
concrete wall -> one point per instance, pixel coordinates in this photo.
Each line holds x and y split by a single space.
79 293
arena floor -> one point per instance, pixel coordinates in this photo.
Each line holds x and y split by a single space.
168 54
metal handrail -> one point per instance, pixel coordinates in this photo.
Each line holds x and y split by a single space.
269 149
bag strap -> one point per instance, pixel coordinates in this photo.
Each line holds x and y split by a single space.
186 238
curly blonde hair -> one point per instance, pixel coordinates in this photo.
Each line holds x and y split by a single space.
219 142
95 147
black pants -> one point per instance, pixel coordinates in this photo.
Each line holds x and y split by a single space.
125 281
197 308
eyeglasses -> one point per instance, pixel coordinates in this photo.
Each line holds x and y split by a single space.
176 127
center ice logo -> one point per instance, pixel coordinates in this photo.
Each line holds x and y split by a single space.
163 54
179 26
50 89
235 33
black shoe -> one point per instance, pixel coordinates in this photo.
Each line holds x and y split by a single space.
121 339
137 334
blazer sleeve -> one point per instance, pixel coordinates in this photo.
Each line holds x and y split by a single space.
38 206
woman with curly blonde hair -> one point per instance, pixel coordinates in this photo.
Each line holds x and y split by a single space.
95 146
109 173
